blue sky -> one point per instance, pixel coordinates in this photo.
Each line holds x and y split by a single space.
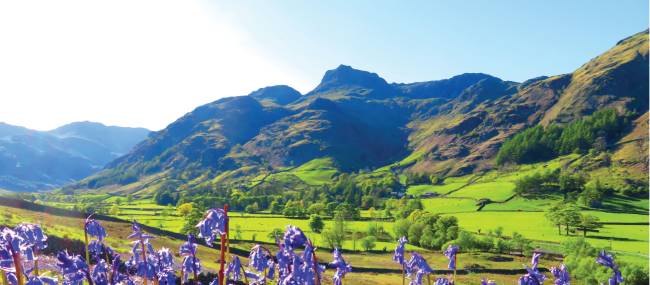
145 63
406 41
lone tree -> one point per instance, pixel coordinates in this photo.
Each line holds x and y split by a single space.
316 223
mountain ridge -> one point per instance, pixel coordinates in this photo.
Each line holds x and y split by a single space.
448 127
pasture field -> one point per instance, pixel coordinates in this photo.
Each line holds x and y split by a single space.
70 227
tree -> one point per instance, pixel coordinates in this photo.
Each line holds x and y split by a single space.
570 216
118 201
192 220
368 243
355 236
335 236
316 208
129 198
316 223
184 209
276 207
115 210
275 233
589 223
554 215
252 208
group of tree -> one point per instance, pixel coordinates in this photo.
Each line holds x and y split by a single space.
538 143
494 241
569 216
426 229
572 186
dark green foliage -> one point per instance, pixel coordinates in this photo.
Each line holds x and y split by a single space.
316 223
537 183
539 144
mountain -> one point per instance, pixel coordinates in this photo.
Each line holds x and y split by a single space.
39 160
356 121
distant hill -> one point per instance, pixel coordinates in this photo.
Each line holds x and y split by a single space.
39 160
360 122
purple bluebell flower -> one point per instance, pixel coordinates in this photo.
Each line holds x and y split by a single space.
310 268
41 280
258 258
213 225
138 233
271 272
190 264
98 250
99 274
341 266
73 268
561 275
450 253
294 237
487 282
417 265
533 277
535 260
116 275
165 258
607 260
167 276
399 251
93 228
442 281
32 236
234 270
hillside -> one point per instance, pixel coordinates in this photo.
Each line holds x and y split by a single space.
40 160
360 122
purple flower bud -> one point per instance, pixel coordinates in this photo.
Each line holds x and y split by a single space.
32 236
341 266
100 273
450 253
258 258
439 281
213 225
561 275
294 237
167 277
607 260
535 260
234 270
487 282
399 251
138 233
165 258
419 266
41 280
73 268
93 228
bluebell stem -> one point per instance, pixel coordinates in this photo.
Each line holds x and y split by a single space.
561 275
190 262
12 243
607 260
